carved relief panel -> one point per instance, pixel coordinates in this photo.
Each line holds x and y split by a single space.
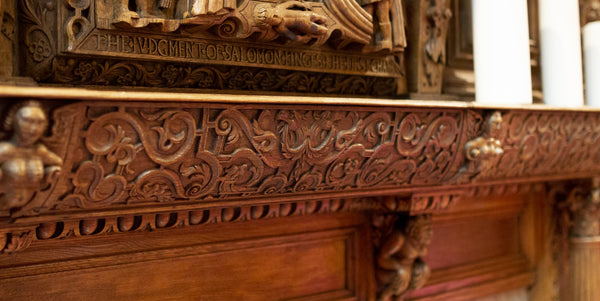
331 47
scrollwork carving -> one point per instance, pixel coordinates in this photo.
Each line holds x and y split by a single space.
38 40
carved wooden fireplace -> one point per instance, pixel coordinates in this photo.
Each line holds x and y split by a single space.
280 150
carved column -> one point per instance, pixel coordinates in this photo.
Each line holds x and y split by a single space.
583 282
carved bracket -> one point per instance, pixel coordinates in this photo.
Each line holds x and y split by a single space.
400 243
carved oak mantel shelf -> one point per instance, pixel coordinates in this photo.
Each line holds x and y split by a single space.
133 161
197 152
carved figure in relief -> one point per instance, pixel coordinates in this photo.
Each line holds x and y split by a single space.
25 163
481 151
389 23
435 48
291 19
399 262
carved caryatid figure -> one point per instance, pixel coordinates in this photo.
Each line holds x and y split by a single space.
25 163
399 263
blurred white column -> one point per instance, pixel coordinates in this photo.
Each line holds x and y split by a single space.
560 49
591 53
501 52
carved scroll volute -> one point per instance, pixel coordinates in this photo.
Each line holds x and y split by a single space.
400 243
482 153
429 20
26 164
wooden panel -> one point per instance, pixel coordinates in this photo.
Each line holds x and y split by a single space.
322 263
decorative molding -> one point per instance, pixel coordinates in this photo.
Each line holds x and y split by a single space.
193 76
400 243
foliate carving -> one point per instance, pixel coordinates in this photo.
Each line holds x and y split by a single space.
27 166
537 143
483 152
132 155
580 210
400 244
14 241
91 72
37 18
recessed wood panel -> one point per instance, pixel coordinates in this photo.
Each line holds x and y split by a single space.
298 259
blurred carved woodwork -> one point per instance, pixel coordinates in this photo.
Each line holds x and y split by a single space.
27 166
589 11
400 244
426 54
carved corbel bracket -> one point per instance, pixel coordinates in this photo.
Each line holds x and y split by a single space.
400 243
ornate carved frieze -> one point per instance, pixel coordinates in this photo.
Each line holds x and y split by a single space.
118 155
208 44
169 75
124 154
400 243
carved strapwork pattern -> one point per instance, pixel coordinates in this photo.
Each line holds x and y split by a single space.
140 74
128 155
37 32
400 243
547 143
79 18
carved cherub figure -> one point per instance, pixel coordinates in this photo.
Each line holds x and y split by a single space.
291 19
400 267
488 145
24 162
